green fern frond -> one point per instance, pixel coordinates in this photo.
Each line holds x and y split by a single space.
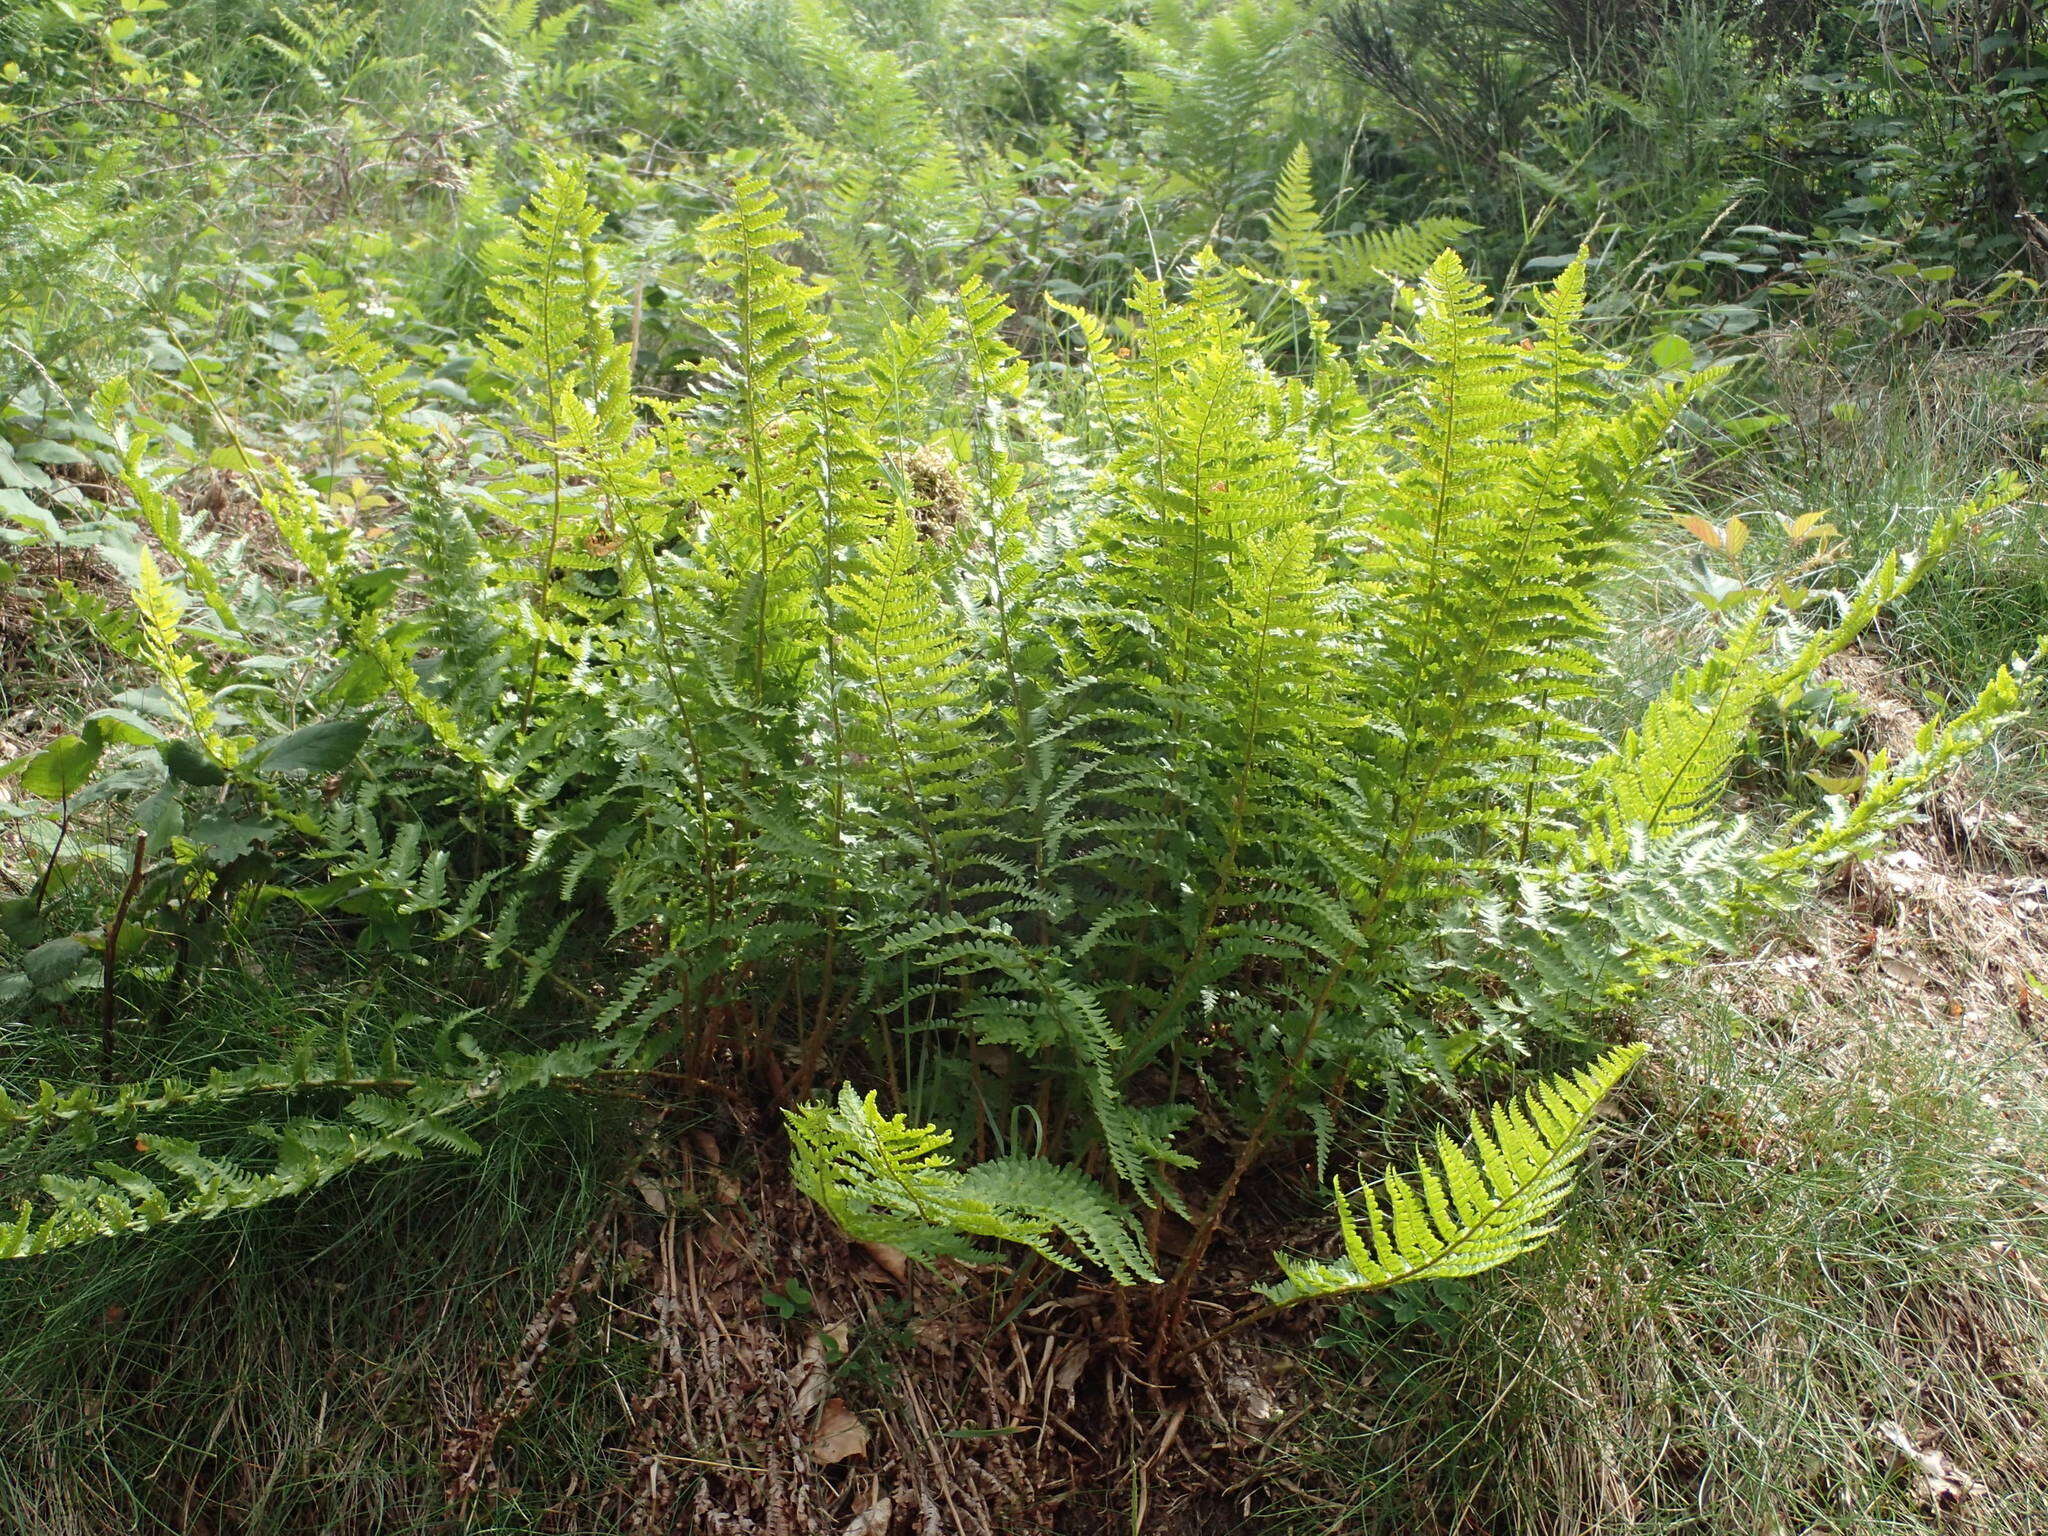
1382 256
117 1200
1213 89
1294 225
883 1180
1476 1206
1892 792
1672 767
160 607
1348 263
384 377
910 714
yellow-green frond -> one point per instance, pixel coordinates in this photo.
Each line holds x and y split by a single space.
1476 1206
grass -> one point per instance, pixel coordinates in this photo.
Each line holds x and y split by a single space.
1882 445
298 1370
293 1374
1799 1234
1823 1206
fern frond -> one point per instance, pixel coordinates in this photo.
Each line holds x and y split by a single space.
160 607
883 1180
1402 252
1294 225
1476 1206
1348 263
384 377
1892 792
117 1200
1212 86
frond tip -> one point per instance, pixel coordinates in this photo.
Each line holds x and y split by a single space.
1476 1206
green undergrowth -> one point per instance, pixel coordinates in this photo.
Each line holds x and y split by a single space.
877 650
1816 461
1880 445
299 1369
1797 1236
1879 441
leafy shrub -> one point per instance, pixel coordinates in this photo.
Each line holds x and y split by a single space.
1112 815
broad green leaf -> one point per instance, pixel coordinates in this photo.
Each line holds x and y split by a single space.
50 965
123 727
189 764
1670 352
17 507
62 768
230 837
327 747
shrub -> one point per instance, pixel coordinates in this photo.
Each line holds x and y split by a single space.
1111 811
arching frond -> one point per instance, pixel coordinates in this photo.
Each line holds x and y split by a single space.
1473 1208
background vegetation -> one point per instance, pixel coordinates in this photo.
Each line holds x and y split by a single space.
401 732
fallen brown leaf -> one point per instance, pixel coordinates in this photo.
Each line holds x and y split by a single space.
812 1377
892 1261
873 1520
839 1435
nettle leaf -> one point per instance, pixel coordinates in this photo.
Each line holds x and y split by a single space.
52 965
61 769
228 838
326 747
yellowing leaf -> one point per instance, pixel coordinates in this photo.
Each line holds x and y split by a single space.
1702 530
1810 525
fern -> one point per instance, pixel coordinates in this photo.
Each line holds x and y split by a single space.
845 718
62 290
161 609
899 212
885 1181
1348 263
1214 91
117 1200
1476 1207
555 337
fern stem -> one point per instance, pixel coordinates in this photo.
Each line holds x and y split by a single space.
111 950
551 381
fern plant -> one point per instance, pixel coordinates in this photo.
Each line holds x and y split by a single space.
1216 89
1111 800
1345 263
389 1115
885 1181
1478 1206
60 288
